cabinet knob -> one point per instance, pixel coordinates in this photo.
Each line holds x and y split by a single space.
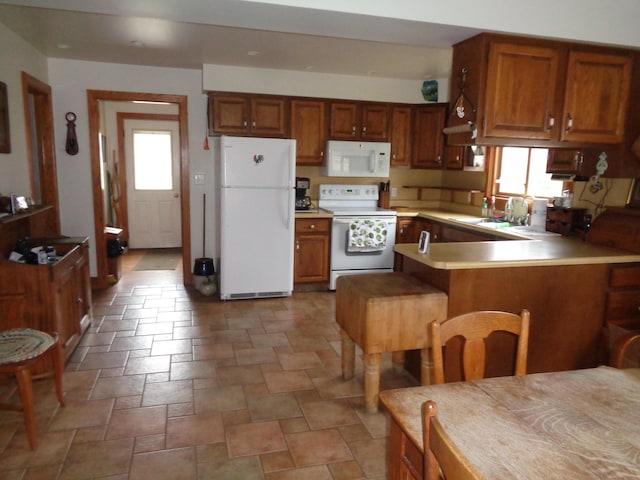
79 301
364 129
312 226
297 245
353 130
253 124
551 121
569 122
244 124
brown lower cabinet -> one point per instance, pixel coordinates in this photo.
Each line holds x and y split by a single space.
52 298
311 256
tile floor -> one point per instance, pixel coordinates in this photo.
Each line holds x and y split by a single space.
169 384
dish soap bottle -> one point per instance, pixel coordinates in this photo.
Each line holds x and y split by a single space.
485 207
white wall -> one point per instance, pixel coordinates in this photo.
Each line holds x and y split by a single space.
319 85
17 56
70 80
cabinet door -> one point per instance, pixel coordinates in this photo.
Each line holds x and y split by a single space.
268 117
228 114
404 230
311 258
564 161
344 121
309 129
428 142
454 158
400 136
68 294
375 122
596 95
521 91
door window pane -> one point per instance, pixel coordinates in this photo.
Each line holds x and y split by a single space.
152 160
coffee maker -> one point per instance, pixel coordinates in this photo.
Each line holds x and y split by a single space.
303 201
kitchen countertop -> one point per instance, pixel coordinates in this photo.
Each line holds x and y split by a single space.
520 251
515 253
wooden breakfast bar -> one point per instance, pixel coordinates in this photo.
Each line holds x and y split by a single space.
562 281
579 424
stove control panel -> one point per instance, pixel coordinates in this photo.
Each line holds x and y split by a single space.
348 192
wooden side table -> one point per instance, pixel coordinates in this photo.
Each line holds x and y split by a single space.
385 312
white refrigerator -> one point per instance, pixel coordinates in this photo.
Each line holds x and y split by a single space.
257 217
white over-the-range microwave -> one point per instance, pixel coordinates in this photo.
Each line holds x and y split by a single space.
357 159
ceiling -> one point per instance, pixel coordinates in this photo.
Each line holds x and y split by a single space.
134 35
257 33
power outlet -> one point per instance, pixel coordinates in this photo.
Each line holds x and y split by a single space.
394 192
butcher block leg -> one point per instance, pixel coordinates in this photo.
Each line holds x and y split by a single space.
348 355
371 381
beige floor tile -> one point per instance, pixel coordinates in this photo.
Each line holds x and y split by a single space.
82 414
167 392
273 406
318 447
179 464
299 361
254 439
52 448
98 459
181 370
329 413
287 381
320 472
194 430
241 468
134 422
147 365
112 387
219 399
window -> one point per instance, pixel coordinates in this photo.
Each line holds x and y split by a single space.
152 160
522 171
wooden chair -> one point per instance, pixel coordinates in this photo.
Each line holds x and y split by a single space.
625 344
20 349
442 458
475 327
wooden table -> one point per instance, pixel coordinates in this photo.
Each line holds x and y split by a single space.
575 424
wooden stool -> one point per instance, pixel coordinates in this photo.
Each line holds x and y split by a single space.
385 312
19 349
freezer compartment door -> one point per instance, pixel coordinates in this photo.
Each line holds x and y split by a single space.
256 242
257 162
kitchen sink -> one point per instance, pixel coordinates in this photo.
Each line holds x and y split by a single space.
516 229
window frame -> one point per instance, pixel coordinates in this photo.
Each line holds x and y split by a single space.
493 158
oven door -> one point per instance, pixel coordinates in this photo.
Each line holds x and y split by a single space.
343 259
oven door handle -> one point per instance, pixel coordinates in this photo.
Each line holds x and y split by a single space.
347 220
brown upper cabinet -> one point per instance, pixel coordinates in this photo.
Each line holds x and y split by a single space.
309 129
428 141
359 121
248 115
400 135
534 92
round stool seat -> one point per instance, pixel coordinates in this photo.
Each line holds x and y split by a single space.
21 344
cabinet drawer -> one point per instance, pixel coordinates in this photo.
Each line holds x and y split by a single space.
313 225
627 276
623 304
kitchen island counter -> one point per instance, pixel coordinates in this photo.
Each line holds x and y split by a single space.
515 253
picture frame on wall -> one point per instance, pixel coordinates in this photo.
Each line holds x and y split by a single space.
634 194
5 139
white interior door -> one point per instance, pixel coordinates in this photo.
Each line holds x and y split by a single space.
152 151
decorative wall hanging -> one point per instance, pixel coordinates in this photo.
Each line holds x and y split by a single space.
5 139
72 141
459 108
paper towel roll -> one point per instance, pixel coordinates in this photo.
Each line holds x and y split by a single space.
539 214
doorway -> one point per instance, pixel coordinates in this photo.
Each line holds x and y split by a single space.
94 97
149 147
38 111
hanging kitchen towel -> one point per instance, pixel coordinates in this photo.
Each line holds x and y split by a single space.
367 235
